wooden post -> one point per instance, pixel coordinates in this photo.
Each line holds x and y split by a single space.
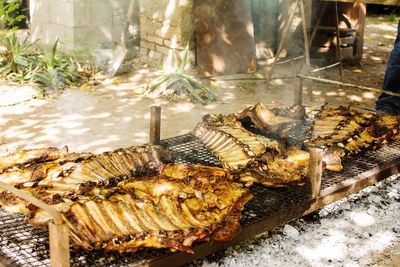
305 34
315 172
338 52
59 245
155 125
298 93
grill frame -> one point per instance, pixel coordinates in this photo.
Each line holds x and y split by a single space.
23 245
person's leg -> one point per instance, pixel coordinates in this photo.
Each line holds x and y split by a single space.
386 103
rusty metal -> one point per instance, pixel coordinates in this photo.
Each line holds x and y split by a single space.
23 245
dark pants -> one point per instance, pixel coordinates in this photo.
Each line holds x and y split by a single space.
386 103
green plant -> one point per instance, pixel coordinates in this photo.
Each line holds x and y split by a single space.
7 10
179 83
17 58
56 70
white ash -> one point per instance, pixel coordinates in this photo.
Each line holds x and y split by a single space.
346 233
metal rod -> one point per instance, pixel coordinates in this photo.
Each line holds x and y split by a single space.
281 43
298 93
321 80
290 60
305 34
155 125
326 67
315 172
338 52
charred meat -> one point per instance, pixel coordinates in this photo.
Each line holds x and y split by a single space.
156 212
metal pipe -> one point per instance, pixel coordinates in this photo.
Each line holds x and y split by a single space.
321 80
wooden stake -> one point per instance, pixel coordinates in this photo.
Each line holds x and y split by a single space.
338 52
59 245
315 172
155 125
298 93
305 34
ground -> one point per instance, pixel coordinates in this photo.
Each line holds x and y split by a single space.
112 115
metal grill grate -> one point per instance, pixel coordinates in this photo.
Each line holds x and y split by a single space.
23 245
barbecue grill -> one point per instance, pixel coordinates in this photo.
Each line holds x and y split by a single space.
23 245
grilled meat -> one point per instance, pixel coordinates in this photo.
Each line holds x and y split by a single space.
31 156
253 157
268 123
56 181
345 131
226 148
335 125
157 212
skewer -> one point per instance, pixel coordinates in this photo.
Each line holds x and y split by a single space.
326 67
58 230
315 172
376 90
155 125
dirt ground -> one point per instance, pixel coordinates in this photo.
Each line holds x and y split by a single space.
112 115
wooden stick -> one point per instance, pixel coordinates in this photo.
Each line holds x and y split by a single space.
59 245
290 60
338 52
326 67
318 22
305 34
281 43
55 215
321 80
58 230
155 125
315 172
298 93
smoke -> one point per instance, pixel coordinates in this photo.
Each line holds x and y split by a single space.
270 18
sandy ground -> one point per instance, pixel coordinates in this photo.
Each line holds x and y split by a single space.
112 116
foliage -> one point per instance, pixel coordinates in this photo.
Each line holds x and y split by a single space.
7 10
178 84
24 61
17 61
55 71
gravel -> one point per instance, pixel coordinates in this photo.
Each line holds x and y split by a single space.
346 233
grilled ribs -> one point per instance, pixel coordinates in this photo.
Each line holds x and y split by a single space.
256 158
158 212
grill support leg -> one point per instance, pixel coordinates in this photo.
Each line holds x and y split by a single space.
315 172
59 245
155 125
